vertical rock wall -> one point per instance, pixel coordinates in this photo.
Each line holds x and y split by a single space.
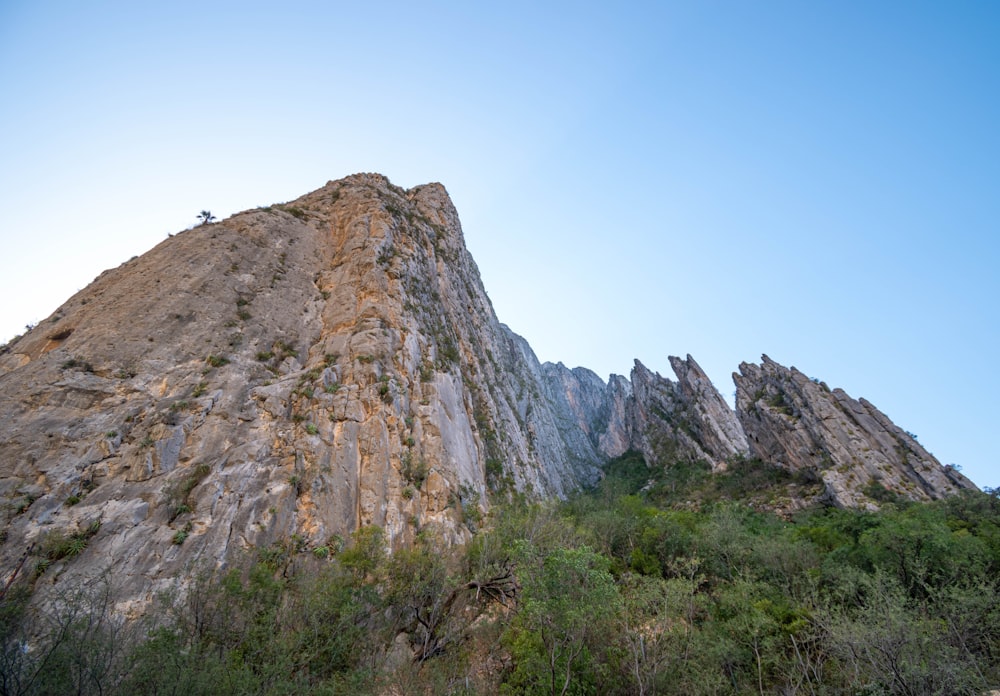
271 382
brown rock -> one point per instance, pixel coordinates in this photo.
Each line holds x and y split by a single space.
288 372
294 372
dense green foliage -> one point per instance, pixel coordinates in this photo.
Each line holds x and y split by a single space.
675 586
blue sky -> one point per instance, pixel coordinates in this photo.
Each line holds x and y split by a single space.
816 181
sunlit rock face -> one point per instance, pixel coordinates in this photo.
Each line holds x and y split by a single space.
858 452
689 414
272 382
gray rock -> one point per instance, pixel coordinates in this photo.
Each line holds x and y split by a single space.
292 373
687 419
799 423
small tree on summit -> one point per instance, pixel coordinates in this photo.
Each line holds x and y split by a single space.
206 217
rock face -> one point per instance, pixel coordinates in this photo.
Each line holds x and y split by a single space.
798 423
660 418
278 379
688 418
580 403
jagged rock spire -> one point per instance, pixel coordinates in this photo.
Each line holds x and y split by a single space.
801 423
280 378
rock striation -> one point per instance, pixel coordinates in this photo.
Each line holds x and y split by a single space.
648 413
274 381
781 417
688 418
801 424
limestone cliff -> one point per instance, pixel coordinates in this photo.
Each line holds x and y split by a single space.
580 403
656 416
271 382
859 453
781 417
274 380
687 418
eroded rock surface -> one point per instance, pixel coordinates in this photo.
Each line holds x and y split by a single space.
273 380
687 418
800 423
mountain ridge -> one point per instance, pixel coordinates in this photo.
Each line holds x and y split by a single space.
280 378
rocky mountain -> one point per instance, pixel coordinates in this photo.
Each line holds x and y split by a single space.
273 381
800 423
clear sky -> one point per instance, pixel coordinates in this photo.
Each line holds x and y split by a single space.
817 181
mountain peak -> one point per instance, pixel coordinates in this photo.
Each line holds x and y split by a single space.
280 378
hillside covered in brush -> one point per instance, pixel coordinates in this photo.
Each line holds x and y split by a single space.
297 448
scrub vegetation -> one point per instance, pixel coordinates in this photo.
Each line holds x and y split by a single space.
675 585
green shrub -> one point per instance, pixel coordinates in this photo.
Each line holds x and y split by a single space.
56 545
426 371
178 495
217 360
780 404
448 353
285 348
414 469
23 506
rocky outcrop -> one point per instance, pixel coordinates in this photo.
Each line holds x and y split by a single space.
684 419
273 381
580 402
616 439
715 426
660 418
781 417
799 423
270 383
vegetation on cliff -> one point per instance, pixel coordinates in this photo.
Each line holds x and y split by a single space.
682 584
